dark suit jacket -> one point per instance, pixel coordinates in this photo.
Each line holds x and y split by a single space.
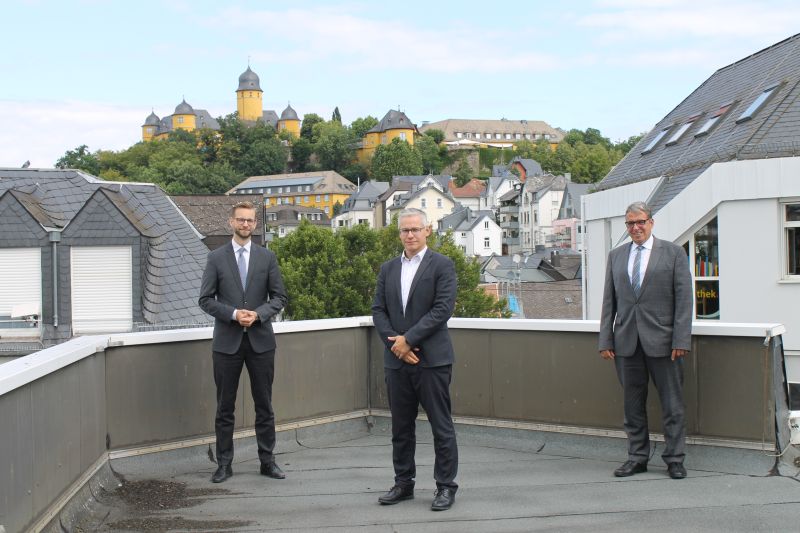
221 292
430 305
661 317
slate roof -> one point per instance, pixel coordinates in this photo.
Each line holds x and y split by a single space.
463 219
544 183
287 215
175 258
531 166
474 188
203 119
209 213
451 126
324 182
442 179
393 120
771 132
366 197
571 202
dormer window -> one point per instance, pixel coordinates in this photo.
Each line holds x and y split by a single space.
680 131
713 120
756 106
656 140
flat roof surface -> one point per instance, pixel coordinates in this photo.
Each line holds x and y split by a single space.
510 480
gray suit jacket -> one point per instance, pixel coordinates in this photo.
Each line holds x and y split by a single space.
661 317
430 305
221 293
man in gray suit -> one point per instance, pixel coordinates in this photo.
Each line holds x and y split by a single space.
242 289
645 328
414 298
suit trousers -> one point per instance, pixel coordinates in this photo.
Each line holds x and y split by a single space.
261 369
667 375
408 387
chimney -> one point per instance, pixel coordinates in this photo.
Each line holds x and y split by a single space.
555 259
568 175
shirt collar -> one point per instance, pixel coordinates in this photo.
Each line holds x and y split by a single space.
417 258
648 244
236 246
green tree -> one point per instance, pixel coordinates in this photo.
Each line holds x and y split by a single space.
463 173
333 145
263 157
362 125
307 127
336 116
430 154
301 154
81 159
626 145
393 159
435 134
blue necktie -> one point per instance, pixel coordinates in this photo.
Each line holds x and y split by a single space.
242 267
636 276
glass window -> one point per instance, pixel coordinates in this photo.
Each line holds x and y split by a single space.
327 197
757 104
305 199
680 131
791 225
459 134
485 224
656 139
703 252
508 135
498 136
319 198
438 202
477 135
423 203
518 136
402 136
327 209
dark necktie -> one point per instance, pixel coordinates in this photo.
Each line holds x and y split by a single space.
636 276
242 267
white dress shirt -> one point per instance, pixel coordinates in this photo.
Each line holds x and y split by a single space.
246 254
409 270
648 247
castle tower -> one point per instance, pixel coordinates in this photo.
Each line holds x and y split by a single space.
289 122
249 96
150 126
184 117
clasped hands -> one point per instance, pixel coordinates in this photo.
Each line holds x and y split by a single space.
246 318
676 353
403 351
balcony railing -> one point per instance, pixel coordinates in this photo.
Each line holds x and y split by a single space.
73 406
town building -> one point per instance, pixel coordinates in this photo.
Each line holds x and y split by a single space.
322 189
361 207
501 133
567 228
469 195
79 255
475 232
540 202
210 214
281 220
720 171
394 125
429 193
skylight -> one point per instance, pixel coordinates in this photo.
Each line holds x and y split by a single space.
713 120
679 133
656 140
757 104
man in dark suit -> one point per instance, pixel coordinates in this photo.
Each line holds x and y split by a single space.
242 289
414 298
646 329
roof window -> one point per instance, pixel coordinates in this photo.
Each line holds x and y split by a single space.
680 131
713 119
757 104
656 139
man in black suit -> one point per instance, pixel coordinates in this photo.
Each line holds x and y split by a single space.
646 329
414 299
242 289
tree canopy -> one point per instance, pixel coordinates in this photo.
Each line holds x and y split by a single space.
398 158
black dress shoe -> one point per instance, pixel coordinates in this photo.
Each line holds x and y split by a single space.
676 470
443 499
630 468
223 472
272 470
396 495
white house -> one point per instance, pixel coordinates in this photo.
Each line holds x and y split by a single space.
540 203
475 232
722 174
360 207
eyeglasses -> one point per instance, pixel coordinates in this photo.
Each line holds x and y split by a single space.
640 223
243 221
407 231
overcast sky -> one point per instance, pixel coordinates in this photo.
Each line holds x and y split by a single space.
89 72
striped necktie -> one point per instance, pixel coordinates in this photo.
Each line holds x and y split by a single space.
636 275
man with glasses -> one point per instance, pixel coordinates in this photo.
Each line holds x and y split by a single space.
645 328
242 289
414 298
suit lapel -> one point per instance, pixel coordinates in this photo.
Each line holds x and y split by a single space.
426 261
230 259
655 257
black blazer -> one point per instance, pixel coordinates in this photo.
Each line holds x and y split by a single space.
431 301
221 292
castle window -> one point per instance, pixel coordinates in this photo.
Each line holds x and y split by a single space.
402 136
498 136
180 120
459 134
518 136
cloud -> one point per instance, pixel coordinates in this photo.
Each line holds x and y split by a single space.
356 43
43 130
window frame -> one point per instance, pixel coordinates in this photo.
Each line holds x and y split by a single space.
758 103
785 225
